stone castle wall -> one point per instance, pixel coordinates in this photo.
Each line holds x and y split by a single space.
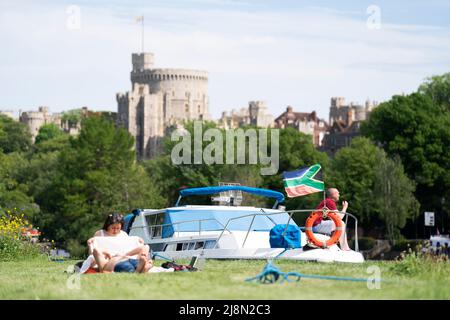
160 98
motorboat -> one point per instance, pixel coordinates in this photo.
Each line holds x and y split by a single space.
228 230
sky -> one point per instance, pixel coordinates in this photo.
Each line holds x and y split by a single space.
68 54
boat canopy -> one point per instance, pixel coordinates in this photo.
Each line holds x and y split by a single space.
212 190
188 220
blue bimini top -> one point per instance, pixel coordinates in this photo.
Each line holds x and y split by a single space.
212 190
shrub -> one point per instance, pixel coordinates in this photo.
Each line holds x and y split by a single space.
405 244
365 243
75 249
13 246
420 261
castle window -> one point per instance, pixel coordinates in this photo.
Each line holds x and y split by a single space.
186 108
198 108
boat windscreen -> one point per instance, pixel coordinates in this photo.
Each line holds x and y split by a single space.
192 220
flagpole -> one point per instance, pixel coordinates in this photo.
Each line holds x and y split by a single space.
324 188
142 33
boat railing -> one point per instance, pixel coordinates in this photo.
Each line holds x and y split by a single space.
253 215
290 212
152 227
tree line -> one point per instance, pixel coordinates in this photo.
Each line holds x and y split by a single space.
397 168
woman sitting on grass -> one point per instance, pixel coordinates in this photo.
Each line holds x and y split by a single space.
137 260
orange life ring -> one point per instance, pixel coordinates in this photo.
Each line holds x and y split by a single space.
335 236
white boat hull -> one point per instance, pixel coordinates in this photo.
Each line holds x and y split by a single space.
317 255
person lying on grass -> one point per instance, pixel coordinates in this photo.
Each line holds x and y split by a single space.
136 260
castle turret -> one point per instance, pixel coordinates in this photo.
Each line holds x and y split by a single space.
142 61
336 104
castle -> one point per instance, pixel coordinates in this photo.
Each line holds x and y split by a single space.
345 121
339 111
34 120
159 99
256 114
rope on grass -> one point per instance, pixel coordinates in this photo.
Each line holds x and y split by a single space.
272 274
162 257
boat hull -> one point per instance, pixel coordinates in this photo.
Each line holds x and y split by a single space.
317 255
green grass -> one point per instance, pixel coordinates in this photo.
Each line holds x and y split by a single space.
43 279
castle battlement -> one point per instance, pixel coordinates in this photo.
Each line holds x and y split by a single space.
169 75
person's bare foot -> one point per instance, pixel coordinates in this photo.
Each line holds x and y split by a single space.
141 264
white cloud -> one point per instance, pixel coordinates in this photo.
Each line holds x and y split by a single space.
294 57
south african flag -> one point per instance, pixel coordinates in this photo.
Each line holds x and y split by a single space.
301 182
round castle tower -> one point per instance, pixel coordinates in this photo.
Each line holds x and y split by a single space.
160 98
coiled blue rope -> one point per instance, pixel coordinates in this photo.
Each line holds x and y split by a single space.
272 274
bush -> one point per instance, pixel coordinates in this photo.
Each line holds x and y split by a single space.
16 249
365 243
405 244
76 250
12 244
419 261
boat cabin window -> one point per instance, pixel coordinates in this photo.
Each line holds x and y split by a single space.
199 245
210 244
155 224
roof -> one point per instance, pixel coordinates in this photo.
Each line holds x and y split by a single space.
289 114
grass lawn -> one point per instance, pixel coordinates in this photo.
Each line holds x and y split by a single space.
43 279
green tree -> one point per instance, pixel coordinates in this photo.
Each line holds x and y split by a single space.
47 132
353 173
14 193
418 131
438 89
393 195
376 187
171 177
14 136
97 174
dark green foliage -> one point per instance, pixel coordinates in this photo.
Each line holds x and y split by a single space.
48 132
13 191
96 174
364 243
170 177
374 185
14 136
417 130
